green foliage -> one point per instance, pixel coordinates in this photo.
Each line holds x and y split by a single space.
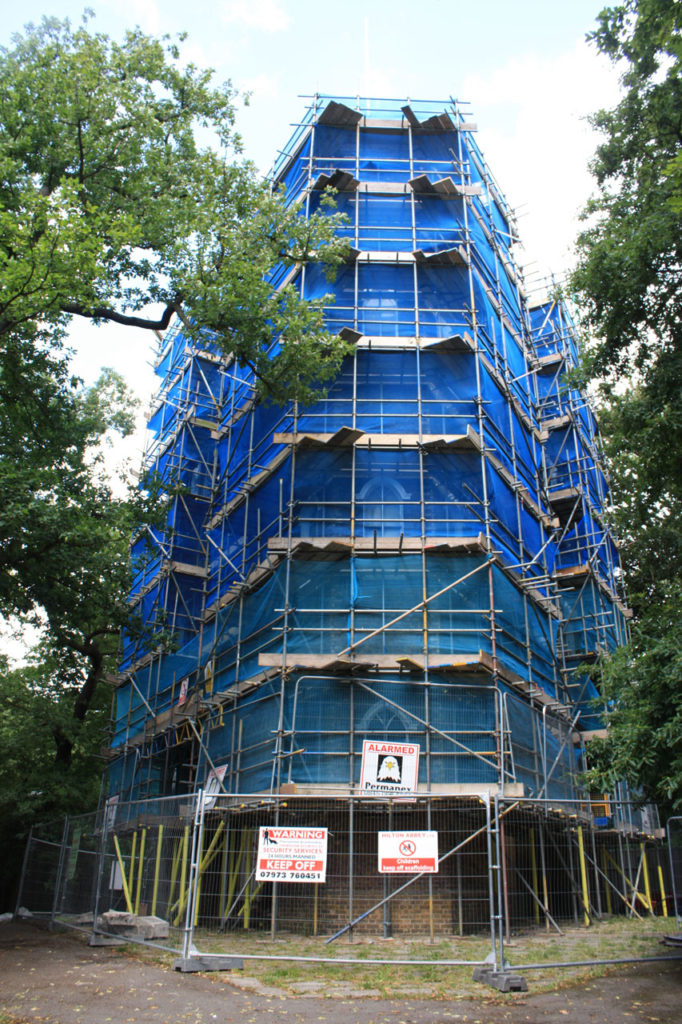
64 567
36 706
642 683
58 510
109 206
628 275
36 701
629 285
64 533
123 198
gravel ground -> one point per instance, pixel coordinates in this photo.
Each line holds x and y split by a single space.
56 978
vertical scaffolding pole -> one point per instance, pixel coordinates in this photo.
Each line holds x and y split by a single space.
492 886
534 875
605 869
583 878
388 906
351 865
140 869
502 860
460 916
157 866
543 866
595 872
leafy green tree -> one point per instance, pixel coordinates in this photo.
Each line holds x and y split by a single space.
111 209
36 706
65 529
642 680
124 199
64 533
629 285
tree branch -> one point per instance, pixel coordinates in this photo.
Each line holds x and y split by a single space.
104 313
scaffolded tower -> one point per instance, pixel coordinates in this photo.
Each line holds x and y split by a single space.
421 556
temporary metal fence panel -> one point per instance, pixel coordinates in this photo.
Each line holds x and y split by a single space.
146 851
556 860
192 865
453 901
112 871
674 834
566 860
43 867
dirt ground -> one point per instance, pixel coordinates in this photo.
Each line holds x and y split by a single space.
55 978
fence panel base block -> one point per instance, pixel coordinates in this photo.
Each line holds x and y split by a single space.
503 981
193 964
105 940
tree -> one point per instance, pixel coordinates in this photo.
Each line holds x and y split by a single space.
643 682
110 209
64 566
629 285
36 703
64 533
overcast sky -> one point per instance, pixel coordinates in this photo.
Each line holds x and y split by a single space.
523 67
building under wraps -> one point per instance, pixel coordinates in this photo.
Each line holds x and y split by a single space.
422 556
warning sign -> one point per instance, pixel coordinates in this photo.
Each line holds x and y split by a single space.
408 853
389 767
292 854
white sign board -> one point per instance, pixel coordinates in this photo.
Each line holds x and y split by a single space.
291 854
389 767
408 853
214 786
110 813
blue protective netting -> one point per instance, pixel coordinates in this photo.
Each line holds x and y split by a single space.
469 440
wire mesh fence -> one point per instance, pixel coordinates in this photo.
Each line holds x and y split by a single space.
146 850
674 836
40 880
565 861
196 872
232 896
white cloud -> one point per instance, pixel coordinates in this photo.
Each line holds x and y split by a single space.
265 15
535 136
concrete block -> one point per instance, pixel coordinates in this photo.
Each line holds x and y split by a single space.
192 964
134 926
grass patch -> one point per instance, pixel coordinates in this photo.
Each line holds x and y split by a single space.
267 962
613 938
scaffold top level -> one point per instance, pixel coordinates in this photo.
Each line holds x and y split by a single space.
348 111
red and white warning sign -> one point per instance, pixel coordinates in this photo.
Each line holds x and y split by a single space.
389 767
408 853
292 854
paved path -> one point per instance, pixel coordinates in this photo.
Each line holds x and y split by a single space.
55 978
